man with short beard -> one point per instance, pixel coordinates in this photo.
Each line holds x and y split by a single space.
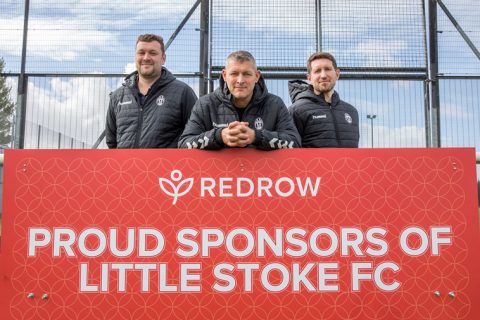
241 113
151 108
322 119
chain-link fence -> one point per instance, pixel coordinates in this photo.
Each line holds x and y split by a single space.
78 51
282 34
93 36
456 57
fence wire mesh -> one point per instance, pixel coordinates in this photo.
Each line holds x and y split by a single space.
460 112
80 37
57 103
94 36
361 33
11 30
455 56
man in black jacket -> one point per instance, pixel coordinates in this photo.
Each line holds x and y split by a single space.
151 108
322 119
240 113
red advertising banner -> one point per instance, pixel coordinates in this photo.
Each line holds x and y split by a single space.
240 234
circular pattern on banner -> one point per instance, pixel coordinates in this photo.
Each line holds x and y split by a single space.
391 192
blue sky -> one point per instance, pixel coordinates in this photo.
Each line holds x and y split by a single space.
98 36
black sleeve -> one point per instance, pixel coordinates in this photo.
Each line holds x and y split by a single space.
297 120
198 133
357 127
285 134
189 100
111 124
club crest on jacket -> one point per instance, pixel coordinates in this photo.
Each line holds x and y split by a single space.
348 118
160 100
258 123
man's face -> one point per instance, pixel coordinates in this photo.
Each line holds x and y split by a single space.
149 59
323 76
240 78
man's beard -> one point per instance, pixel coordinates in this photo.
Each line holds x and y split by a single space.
148 74
323 89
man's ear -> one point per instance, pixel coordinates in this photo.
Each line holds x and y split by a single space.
337 71
257 75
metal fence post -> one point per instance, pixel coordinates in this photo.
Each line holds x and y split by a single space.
433 75
20 115
204 45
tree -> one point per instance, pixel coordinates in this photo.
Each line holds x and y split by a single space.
7 107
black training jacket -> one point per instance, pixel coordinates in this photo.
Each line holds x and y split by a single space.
321 124
158 122
266 114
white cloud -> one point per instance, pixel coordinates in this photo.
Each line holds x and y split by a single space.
370 50
59 34
129 68
63 26
451 110
74 107
73 38
353 16
466 14
360 33
386 137
12 84
404 85
79 28
128 9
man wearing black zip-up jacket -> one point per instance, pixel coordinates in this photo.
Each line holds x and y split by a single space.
322 119
240 113
151 108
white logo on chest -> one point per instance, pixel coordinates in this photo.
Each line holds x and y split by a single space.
160 100
348 118
258 123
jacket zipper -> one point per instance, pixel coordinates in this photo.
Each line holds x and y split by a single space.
334 124
140 123
139 128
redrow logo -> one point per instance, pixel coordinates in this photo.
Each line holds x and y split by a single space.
228 187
